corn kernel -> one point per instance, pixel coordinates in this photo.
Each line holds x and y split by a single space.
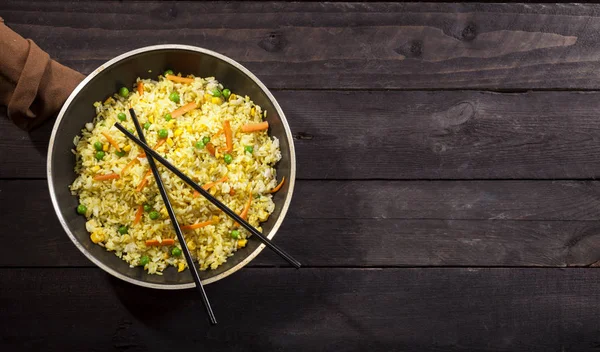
166 255
171 123
170 142
212 191
252 111
242 243
97 237
96 168
151 119
178 132
189 129
180 267
216 100
105 147
215 218
191 245
207 97
127 148
232 97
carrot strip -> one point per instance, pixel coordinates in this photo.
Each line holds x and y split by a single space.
165 242
253 127
244 214
129 165
218 134
199 225
182 110
231 192
106 177
138 214
278 186
142 154
144 181
179 79
208 186
140 88
111 141
211 148
228 135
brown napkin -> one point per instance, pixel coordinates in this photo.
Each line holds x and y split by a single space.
32 86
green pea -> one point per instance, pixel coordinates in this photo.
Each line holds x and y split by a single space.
100 155
98 146
235 234
121 116
124 92
249 149
205 140
144 260
228 158
199 145
168 72
147 207
163 133
147 125
121 153
226 93
131 130
176 252
168 117
123 230
154 215
216 93
81 209
174 97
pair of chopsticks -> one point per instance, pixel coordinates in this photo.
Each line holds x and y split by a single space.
151 154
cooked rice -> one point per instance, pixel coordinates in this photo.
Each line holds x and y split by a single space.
113 203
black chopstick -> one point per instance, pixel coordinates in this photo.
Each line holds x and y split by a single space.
215 201
165 197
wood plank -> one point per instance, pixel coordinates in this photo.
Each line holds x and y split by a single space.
410 135
307 310
335 45
375 223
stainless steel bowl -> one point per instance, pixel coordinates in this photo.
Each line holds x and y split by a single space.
149 62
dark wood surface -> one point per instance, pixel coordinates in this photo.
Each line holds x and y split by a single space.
446 196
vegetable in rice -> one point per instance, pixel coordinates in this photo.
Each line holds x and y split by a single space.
214 136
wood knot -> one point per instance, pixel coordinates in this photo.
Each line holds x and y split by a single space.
412 49
302 136
460 113
469 32
275 41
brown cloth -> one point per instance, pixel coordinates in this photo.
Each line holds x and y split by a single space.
32 86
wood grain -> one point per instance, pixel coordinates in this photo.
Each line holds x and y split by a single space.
375 223
338 45
410 135
307 310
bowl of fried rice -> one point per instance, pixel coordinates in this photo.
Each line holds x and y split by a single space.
207 115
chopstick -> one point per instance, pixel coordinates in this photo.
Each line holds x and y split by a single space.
165 197
215 201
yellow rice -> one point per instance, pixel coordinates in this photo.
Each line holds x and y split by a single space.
113 203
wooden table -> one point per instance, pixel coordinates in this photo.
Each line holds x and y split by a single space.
446 196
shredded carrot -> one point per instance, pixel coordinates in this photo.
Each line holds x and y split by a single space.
232 192
200 224
182 110
278 186
106 177
244 214
142 154
209 185
129 165
144 181
140 88
165 242
218 134
253 127
179 79
138 214
111 141
228 136
211 148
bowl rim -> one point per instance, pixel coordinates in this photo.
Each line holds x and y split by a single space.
112 62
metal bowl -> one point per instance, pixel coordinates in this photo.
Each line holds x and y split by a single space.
149 62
